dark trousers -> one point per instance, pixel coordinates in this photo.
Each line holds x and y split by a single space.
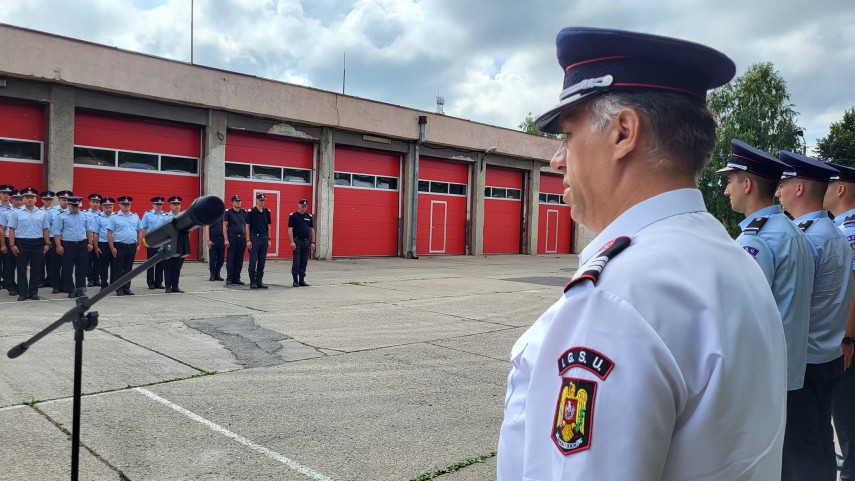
257 256
154 275
30 254
301 258
234 263
75 262
10 263
124 262
105 260
54 266
215 255
809 439
92 272
3 265
172 271
843 410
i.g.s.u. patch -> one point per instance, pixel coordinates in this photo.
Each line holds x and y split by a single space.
751 250
574 415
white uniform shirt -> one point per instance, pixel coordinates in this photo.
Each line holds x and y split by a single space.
680 353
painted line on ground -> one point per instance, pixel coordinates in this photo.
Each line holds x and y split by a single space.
306 471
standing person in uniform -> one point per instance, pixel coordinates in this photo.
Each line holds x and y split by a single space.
124 235
5 205
216 242
840 200
234 225
73 243
301 230
150 220
809 442
643 369
93 211
48 197
28 241
258 240
99 241
172 269
10 262
781 250
54 260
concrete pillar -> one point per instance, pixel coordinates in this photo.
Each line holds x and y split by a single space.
326 194
214 164
533 210
479 180
409 191
60 151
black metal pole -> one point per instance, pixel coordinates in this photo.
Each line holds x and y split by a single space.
75 410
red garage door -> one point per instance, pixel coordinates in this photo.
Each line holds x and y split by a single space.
502 211
132 156
554 225
367 203
22 135
443 189
281 169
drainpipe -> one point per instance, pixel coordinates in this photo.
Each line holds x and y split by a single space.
414 203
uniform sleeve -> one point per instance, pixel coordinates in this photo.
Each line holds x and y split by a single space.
45 223
850 238
11 220
757 247
604 396
111 224
291 220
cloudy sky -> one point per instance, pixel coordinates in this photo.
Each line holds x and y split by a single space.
492 60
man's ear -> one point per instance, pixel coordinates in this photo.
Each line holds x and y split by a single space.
626 132
748 184
800 189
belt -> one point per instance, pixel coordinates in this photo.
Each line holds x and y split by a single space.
259 235
235 235
217 237
73 242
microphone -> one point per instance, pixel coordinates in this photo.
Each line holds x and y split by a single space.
203 211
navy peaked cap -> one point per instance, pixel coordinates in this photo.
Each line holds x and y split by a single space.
15 193
109 201
598 60
157 200
746 158
29 191
175 199
846 173
64 193
6 188
95 196
125 199
303 202
806 167
48 194
74 199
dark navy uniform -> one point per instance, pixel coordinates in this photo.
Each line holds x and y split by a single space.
216 248
71 238
150 221
301 229
172 269
234 223
93 211
258 226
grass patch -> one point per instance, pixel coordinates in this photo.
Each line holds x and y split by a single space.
454 467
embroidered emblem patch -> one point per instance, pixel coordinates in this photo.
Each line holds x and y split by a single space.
574 414
751 250
585 358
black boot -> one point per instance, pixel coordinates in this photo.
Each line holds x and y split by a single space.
302 283
260 284
213 277
295 284
252 283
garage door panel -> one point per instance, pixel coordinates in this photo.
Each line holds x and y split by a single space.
139 135
443 170
24 121
454 229
365 223
502 222
554 227
251 148
367 162
501 177
22 174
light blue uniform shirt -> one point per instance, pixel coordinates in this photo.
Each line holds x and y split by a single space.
72 227
784 255
152 219
832 287
28 224
124 227
4 216
53 213
848 229
99 226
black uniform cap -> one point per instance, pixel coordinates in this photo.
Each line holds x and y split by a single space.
15 193
806 167
175 199
29 191
744 157
95 196
108 201
64 193
157 200
6 188
125 199
74 200
48 194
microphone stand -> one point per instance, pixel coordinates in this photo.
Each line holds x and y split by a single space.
83 321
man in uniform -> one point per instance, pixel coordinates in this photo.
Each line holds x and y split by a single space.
124 235
54 260
644 369
48 197
172 269
29 241
150 220
301 230
809 442
72 241
93 211
234 225
215 241
258 240
778 246
10 260
840 200
5 205
99 241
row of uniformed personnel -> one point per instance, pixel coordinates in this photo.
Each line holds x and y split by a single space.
808 263
76 244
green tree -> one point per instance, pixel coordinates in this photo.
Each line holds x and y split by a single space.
527 125
839 145
754 108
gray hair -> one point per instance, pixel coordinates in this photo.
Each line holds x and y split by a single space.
682 128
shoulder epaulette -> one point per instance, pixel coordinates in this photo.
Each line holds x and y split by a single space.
849 220
804 225
755 225
591 270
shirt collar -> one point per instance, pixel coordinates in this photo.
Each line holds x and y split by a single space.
840 218
645 213
811 216
764 212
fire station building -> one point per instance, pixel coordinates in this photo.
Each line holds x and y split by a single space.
381 179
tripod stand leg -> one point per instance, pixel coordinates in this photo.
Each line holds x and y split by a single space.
75 410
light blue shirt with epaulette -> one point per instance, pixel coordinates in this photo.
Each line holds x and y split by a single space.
784 255
151 219
53 213
124 227
72 227
846 223
99 226
832 287
28 224
4 218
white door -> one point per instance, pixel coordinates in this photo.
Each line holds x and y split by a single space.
551 231
438 220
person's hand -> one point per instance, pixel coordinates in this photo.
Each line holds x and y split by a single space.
249 244
227 242
269 243
3 248
210 243
312 248
293 246
60 250
114 251
88 248
848 350
97 251
15 251
46 248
